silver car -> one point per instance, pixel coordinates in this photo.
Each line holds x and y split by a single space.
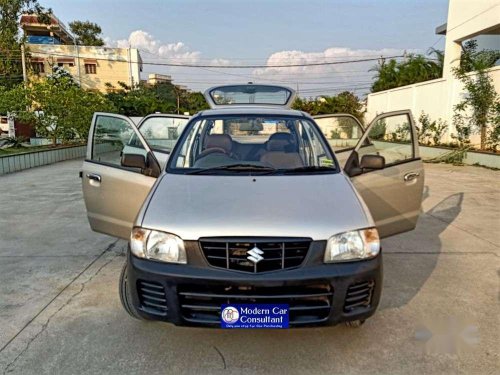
252 202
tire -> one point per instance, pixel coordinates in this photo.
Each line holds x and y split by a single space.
355 323
125 297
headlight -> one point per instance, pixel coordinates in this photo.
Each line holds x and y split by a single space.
355 245
151 244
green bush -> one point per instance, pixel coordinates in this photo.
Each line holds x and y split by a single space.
430 132
378 130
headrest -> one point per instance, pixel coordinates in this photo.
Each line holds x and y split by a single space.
280 142
223 141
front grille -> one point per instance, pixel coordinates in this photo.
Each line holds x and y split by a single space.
276 255
152 297
309 304
358 296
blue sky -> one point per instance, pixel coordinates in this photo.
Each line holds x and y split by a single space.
251 31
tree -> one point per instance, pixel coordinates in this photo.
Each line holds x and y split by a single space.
345 102
10 39
472 59
13 99
144 99
57 107
479 110
87 33
193 102
416 68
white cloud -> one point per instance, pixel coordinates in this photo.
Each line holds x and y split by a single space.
153 48
221 62
313 80
349 76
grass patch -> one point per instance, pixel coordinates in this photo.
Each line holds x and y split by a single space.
23 150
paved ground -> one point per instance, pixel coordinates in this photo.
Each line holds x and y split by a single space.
60 313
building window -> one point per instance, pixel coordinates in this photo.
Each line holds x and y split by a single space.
38 67
60 65
90 68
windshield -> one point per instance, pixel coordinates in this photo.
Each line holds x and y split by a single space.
250 94
251 145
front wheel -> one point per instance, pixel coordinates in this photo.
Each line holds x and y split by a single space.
355 323
125 297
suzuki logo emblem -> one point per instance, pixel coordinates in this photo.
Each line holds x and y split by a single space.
255 255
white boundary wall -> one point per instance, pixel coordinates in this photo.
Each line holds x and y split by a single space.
436 98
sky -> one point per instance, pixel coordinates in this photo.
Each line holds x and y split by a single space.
258 32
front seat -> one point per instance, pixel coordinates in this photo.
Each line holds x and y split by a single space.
281 152
217 143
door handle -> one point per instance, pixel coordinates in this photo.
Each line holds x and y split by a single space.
411 176
93 176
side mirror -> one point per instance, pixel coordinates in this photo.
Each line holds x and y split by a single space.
372 162
133 161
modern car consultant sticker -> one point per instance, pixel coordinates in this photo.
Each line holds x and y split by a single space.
254 316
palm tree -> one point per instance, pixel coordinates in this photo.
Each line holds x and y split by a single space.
415 68
386 76
438 57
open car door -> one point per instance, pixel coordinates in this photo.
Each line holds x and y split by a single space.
117 175
342 131
386 169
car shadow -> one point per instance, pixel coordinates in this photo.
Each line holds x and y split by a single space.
410 258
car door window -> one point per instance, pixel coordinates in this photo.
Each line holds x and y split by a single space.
313 148
341 131
114 136
162 132
390 137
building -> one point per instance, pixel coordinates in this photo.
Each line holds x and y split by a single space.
154 78
93 67
39 33
480 20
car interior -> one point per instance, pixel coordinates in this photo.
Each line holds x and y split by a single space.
277 145
280 151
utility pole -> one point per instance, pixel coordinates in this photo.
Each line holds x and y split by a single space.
178 95
23 62
78 61
130 67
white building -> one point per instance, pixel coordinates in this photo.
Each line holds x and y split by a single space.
467 19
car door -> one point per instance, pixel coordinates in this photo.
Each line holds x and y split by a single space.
393 193
113 192
342 131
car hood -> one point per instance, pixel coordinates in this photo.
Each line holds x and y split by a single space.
195 206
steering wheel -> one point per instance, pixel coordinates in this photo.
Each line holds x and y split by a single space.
212 150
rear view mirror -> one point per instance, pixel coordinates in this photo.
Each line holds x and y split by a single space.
372 162
251 127
133 161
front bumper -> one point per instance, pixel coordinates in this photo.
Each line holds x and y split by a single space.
318 294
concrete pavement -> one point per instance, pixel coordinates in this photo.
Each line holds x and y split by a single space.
60 312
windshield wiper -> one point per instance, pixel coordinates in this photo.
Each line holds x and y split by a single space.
308 169
236 168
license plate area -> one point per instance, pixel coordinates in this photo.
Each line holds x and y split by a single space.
255 316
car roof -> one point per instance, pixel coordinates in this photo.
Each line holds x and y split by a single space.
253 110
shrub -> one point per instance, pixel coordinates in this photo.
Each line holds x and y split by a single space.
430 132
378 130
